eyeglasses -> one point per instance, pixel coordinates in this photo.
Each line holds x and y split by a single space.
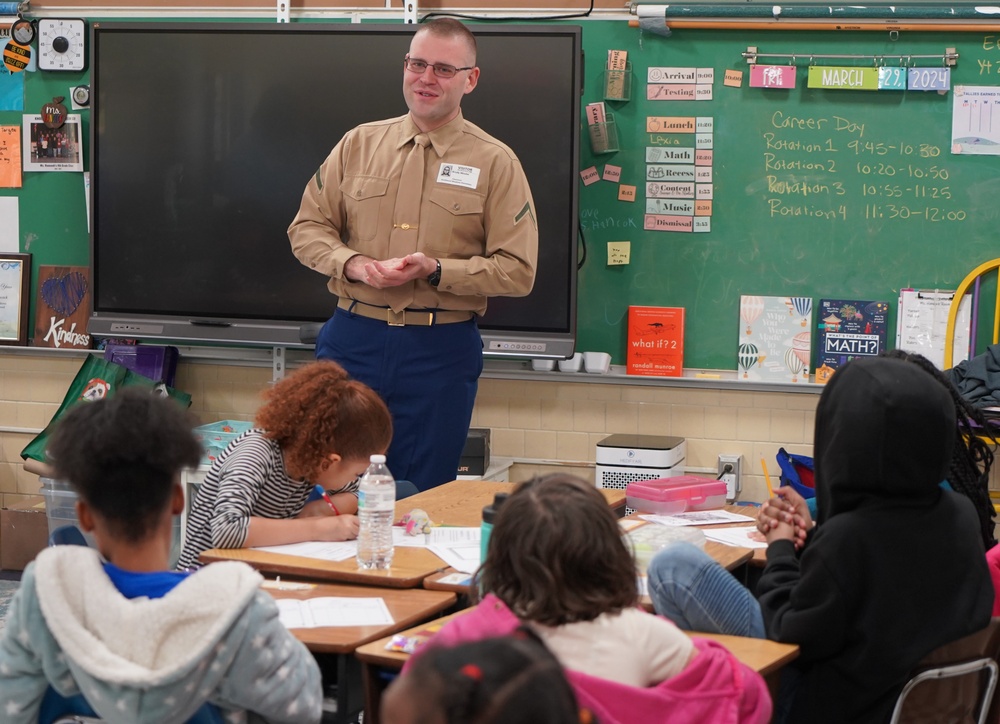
441 70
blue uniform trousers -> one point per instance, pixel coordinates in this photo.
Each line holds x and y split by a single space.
428 377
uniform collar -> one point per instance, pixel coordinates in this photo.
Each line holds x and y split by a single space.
441 138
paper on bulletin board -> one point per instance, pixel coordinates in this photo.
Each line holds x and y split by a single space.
975 120
10 157
923 319
9 231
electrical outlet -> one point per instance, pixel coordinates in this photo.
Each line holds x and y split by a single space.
729 472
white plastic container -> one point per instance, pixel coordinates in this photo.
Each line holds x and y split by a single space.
376 507
676 494
60 509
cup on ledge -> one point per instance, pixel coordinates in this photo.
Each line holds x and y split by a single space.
573 364
543 365
597 363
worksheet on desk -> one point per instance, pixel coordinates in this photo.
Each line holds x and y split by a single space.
323 550
699 517
748 537
333 611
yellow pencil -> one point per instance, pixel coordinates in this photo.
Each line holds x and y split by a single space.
767 479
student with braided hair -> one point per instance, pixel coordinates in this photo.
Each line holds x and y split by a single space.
971 458
893 568
492 681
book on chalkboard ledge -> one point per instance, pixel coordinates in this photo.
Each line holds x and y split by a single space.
848 328
655 341
775 340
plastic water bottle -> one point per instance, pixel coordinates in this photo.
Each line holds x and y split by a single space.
376 507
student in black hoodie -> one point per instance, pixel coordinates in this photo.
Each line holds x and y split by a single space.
894 569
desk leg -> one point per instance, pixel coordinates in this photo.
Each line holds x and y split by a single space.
373 684
348 686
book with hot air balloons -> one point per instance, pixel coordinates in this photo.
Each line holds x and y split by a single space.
775 341
655 341
848 328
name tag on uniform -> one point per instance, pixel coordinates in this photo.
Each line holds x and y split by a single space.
452 173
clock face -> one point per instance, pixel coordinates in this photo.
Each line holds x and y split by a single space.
61 44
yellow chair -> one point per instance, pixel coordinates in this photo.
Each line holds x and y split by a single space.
975 275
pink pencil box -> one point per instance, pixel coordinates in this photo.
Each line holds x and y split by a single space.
677 494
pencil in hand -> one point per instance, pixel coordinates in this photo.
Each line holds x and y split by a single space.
326 497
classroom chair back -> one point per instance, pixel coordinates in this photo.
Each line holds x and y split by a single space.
972 280
954 683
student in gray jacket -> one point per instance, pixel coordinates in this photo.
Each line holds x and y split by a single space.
113 628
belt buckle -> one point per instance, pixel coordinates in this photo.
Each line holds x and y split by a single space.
395 319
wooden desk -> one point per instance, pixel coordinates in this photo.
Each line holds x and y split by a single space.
729 557
408 608
461 502
763 656
458 503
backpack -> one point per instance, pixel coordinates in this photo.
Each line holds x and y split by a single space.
797 471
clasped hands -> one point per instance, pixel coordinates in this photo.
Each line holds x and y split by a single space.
785 517
389 272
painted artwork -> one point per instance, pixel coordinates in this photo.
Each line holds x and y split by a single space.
849 328
775 343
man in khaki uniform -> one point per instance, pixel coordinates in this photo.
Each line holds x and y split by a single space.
417 220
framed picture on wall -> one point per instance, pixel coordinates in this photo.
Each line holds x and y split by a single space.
15 280
52 149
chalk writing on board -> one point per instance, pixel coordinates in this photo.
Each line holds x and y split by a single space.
828 169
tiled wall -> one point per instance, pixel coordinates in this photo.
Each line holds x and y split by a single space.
539 423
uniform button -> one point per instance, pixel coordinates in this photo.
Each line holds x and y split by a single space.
456 207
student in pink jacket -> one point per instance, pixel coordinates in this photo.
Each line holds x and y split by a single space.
557 562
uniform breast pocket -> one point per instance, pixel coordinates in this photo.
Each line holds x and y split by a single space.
455 226
363 197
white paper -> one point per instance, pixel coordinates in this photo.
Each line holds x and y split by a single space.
739 537
922 320
439 535
699 517
333 611
9 229
323 550
463 558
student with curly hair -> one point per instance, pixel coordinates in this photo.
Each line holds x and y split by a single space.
496 680
316 427
112 632
557 562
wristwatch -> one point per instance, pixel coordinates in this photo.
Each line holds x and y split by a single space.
434 278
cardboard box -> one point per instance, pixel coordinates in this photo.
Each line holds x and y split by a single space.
24 531
476 453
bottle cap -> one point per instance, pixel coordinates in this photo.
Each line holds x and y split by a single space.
377 458
490 511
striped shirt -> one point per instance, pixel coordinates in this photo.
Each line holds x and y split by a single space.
248 480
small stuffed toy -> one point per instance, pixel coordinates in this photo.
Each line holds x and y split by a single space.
416 522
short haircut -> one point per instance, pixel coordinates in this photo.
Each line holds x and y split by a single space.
451 28
123 454
493 681
557 555
318 410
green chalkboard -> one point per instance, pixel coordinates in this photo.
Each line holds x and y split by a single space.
816 193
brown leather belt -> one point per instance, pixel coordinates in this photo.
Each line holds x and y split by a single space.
406 317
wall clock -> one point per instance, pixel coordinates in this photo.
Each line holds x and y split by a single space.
62 44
